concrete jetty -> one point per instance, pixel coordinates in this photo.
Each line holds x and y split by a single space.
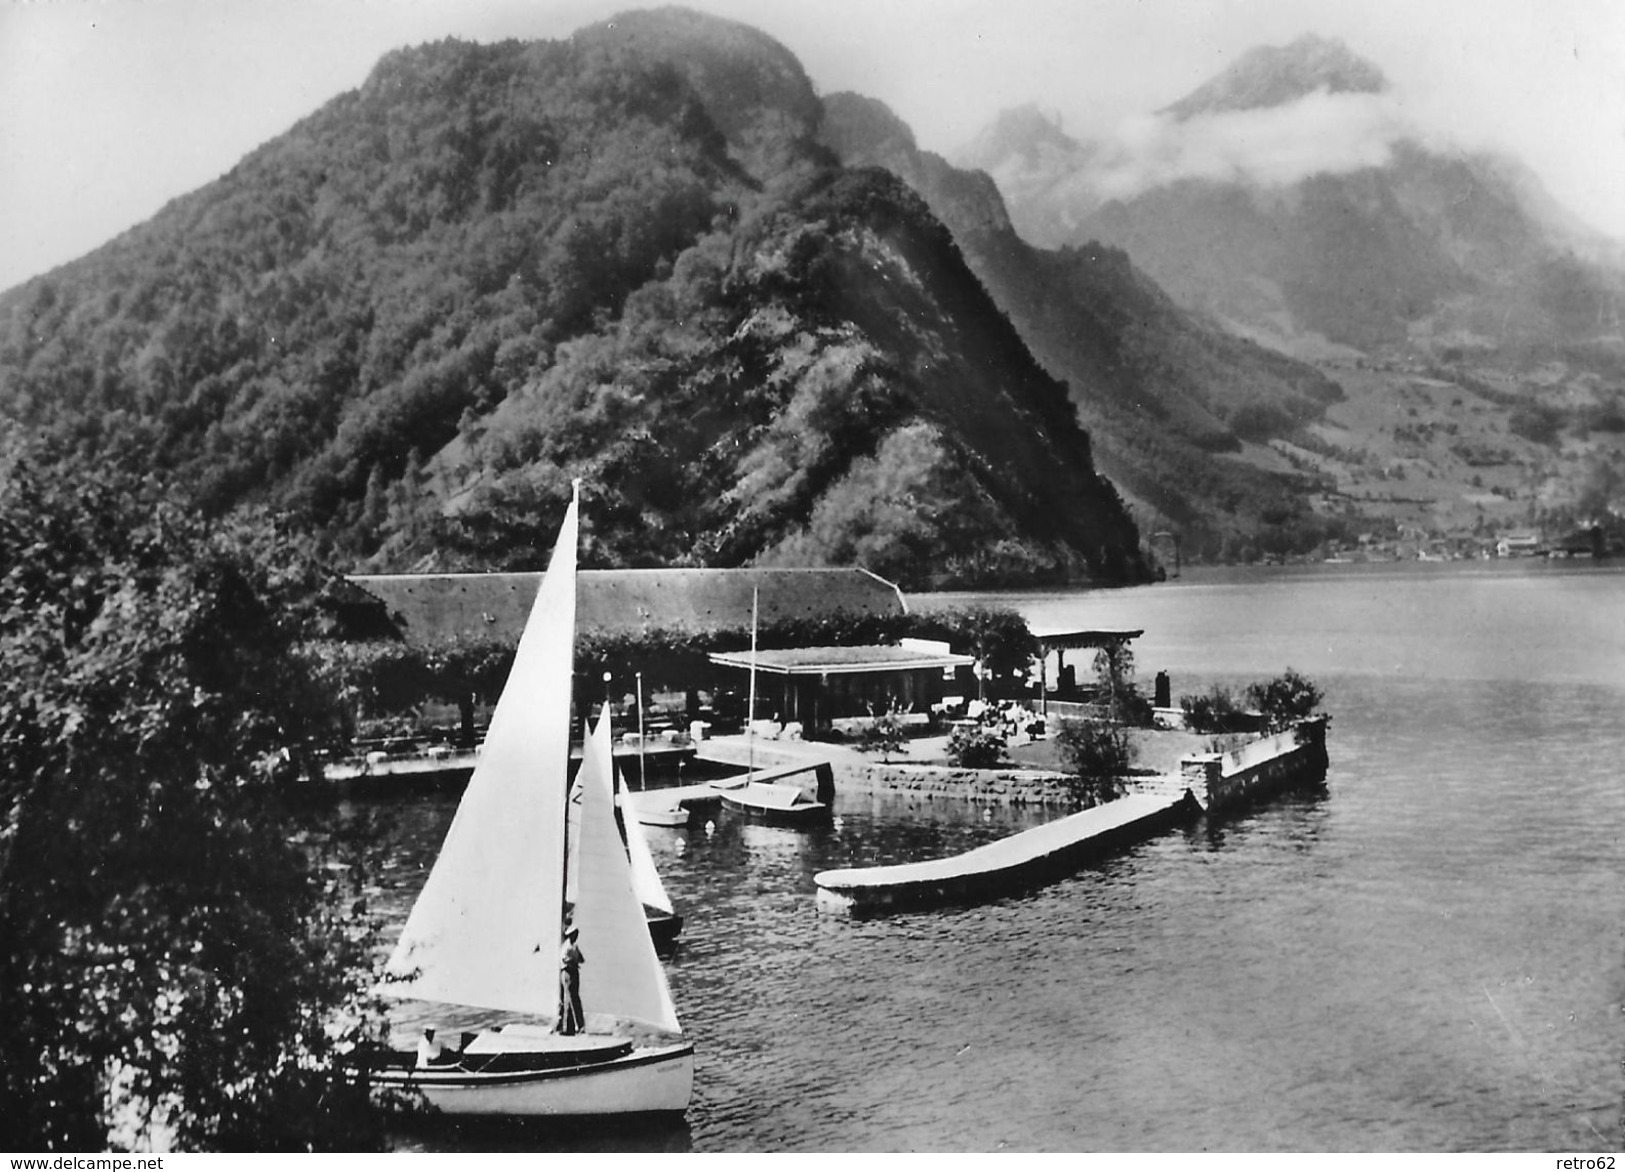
1032 856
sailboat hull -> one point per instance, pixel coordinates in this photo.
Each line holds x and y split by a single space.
664 928
775 811
648 1080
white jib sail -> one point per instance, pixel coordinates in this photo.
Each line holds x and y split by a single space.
645 879
621 977
486 929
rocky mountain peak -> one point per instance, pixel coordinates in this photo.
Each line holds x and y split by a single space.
1023 132
1275 75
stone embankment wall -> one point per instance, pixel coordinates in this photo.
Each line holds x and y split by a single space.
1259 767
867 774
1016 787
1215 779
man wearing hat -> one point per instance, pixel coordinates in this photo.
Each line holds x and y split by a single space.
572 1018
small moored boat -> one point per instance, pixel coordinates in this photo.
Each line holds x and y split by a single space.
668 816
779 804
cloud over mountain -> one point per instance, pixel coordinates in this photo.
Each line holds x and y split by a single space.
1319 133
1302 199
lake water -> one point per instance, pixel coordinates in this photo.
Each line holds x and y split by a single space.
1426 955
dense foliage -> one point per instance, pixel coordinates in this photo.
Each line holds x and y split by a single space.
1270 705
411 320
381 680
1214 711
178 969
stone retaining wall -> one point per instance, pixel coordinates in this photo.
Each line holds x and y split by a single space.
870 775
1016 787
1259 767
1215 779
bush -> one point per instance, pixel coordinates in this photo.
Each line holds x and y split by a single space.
1285 700
975 748
1100 755
884 736
1212 712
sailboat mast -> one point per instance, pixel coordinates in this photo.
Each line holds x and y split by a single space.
643 780
564 814
750 709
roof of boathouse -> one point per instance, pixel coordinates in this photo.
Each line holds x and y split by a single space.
435 607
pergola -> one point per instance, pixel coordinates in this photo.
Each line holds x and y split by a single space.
1061 642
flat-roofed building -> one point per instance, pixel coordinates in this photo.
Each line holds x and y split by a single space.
821 686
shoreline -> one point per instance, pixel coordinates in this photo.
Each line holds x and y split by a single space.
1032 775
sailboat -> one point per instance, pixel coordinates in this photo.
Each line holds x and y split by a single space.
646 810
488 930
773 801
664 922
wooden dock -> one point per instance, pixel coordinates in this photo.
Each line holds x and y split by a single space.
1011 864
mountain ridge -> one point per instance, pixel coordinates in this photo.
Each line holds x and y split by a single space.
1378 240
1157 390
409 321
1427 281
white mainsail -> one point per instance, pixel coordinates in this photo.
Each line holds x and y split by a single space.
486 929
621 977
645 879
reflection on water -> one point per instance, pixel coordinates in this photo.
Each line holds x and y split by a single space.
1425 955
654 1134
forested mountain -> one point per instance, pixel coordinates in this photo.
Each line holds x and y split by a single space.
410 320
1162 393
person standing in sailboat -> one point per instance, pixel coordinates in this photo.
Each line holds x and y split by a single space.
572 1018
429 1050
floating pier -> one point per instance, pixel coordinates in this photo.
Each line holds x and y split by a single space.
1011 864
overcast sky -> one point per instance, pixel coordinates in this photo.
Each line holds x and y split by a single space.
109 108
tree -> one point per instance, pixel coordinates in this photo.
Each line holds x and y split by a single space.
1100 756
1114 673
1285 700
179 969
